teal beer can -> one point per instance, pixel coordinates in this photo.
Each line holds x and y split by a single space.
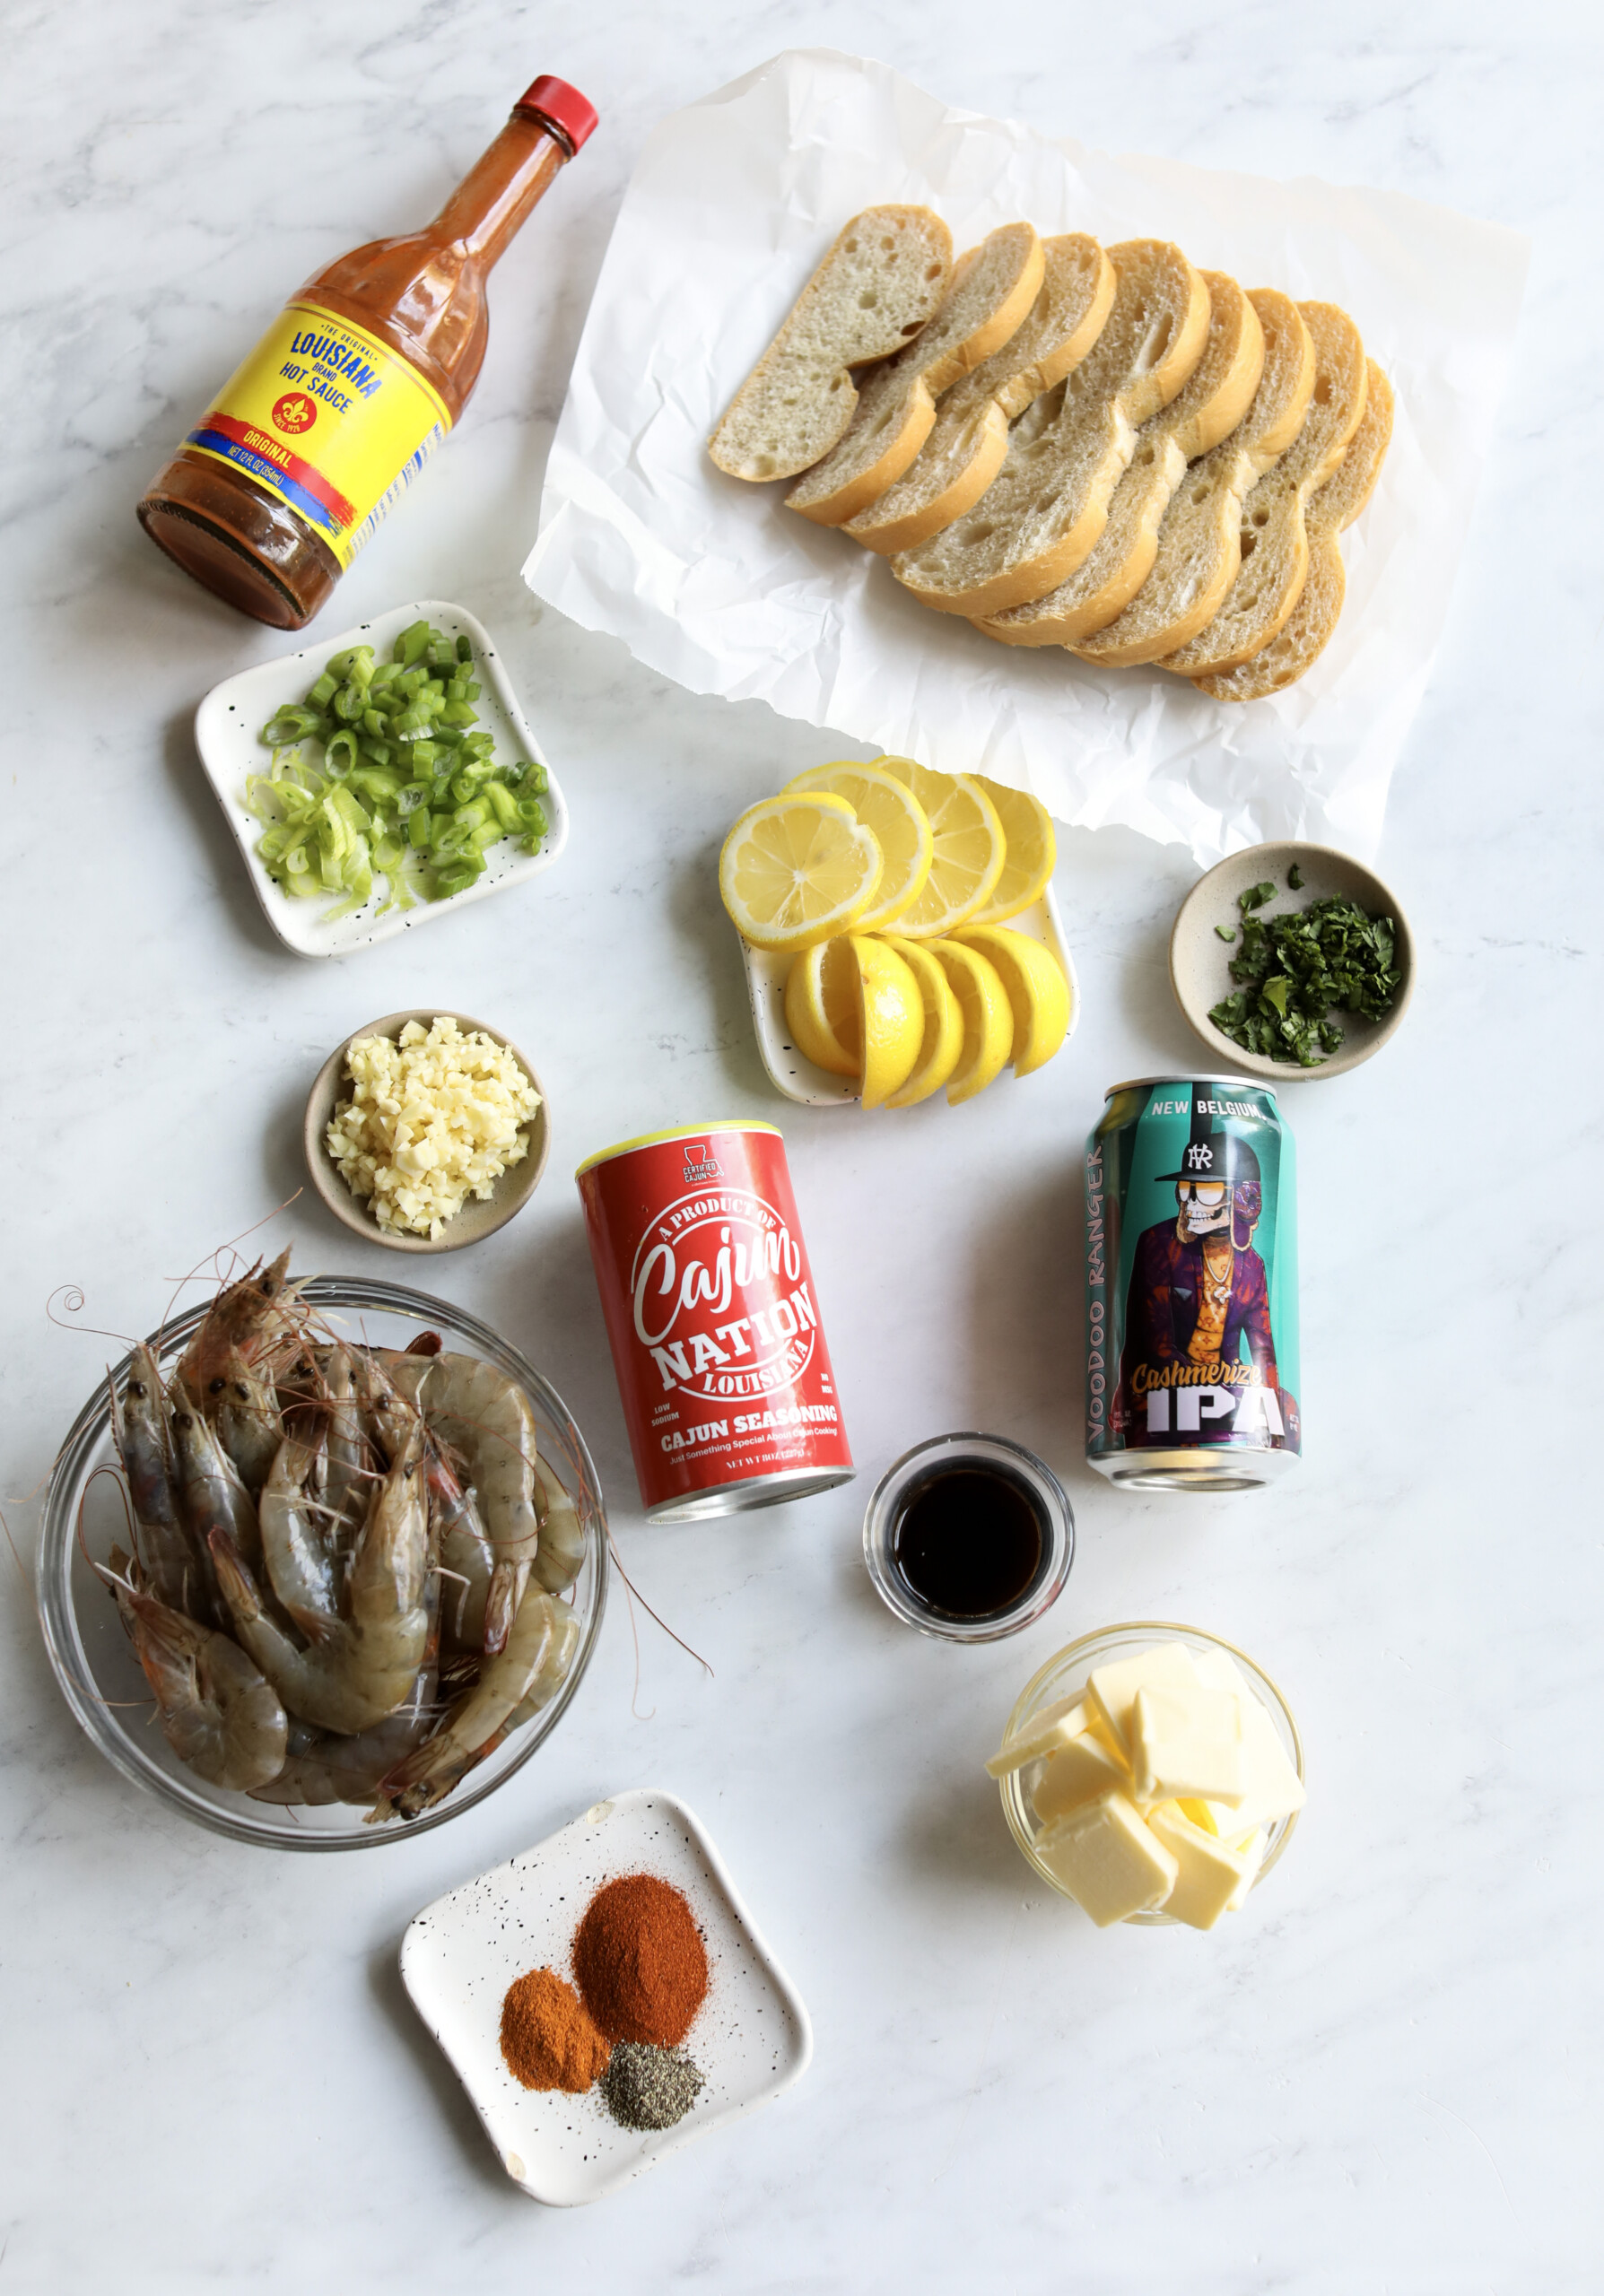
1193 1374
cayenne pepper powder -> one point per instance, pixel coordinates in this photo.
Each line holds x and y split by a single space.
547 2039
640 1963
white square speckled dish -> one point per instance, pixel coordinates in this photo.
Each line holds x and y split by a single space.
229 720
750 2040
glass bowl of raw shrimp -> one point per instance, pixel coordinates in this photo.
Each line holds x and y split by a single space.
86 1513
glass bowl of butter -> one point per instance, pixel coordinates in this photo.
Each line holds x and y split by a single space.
1152 1773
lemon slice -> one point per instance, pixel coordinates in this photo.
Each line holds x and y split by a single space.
795 870
823 1007
1037 991
892 1021
988 1018
943 1026
1031 852
890 808
968 841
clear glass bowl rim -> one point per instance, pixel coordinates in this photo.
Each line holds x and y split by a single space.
1083 1651
1039 1599
59 1616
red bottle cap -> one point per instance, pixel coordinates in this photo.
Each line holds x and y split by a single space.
561 104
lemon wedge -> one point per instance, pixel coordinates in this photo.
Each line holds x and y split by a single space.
988 1018
1033 851
892 1022
968 848
889 807
1037 991
823 1007
943 1039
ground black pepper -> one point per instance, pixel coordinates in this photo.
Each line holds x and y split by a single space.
646 2087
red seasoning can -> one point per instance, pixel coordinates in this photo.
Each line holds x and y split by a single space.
713 1321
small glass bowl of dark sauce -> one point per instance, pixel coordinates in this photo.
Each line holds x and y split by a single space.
969 1537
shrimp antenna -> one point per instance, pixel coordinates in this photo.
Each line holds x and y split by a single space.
71 1296
630 1589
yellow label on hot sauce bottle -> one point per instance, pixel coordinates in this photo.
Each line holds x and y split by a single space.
329 419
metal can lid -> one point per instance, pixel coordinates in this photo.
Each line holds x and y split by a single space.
1236 1084
562 104
676 1132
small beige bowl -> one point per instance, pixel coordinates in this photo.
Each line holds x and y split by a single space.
478 1219
1200 961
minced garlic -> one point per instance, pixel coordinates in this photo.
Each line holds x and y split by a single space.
435 1117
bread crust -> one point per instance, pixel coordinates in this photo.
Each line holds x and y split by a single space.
1275 560
966 445
993 287
1199 543
1048 503
1209 406
1308 630
811 391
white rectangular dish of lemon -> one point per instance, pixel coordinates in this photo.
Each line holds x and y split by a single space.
798 1077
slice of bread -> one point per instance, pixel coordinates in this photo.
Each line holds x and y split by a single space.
1209 406
882 279
1041 517
1199 543
993 288
1338 504
964 450
1275 543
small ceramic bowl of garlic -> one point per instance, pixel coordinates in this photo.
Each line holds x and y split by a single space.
426 1131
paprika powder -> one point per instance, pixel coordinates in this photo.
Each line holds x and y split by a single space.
547 2039
640 1962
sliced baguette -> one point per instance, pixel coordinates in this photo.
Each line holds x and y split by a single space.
882 279
964 450
1199 543
1274 543
1209 406
1337 505
992 290
1041 517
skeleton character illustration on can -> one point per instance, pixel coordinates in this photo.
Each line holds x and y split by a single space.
1192 1262
713 1322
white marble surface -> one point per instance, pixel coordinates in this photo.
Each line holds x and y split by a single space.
1383 2076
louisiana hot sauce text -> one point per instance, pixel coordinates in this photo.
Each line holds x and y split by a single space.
713 1321
347 396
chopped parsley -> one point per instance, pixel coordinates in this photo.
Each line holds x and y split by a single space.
1294 878
1225 932
1297 970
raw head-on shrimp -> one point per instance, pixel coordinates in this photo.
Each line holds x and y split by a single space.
297 1547
213 1497
248 1322
463 1550
321 1766
249 1425
428 1775
139 1427
366 1663
486 1417
217 1712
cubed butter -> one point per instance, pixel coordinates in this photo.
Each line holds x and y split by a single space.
1108 1860
1078 1772
1186 1742
1208 1874
1252 1853
1044 1734
1113 1689
1271 1787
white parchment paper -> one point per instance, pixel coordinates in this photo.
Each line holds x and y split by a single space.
713 582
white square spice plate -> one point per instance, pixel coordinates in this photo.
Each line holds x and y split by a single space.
229 720
750 2040
799 1078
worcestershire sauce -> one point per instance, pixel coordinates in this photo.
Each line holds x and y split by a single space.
969 1539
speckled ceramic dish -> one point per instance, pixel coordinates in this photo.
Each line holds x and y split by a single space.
478 1219
750 2039
229 720
1200 961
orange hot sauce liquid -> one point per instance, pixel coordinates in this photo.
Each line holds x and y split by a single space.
423 295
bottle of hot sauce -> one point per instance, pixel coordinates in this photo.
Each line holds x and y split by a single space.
349 392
